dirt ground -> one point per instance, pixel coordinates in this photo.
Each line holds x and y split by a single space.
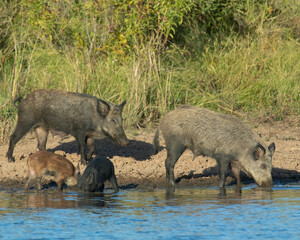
136 166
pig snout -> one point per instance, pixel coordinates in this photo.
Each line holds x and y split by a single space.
266 183
123 141
120 137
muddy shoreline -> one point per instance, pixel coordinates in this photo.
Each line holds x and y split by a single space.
137 167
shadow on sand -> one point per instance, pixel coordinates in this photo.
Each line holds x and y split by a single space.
138 150
141 151
280 176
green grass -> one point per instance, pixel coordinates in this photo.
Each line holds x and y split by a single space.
257 73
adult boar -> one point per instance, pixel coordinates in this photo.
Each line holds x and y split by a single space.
83 116
222 137
98 171
47 163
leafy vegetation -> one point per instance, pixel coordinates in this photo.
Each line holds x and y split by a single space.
230 56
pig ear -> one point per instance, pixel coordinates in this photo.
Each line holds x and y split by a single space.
103 108
122 104
272 148
259 151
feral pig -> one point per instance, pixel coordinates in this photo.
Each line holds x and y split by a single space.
224 138
99 170
47 163
83 116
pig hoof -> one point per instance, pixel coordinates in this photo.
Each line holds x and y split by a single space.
222 192
170 189
11 160
170 183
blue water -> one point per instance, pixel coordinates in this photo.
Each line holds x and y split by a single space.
189 213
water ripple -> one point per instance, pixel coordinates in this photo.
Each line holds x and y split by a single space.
196 213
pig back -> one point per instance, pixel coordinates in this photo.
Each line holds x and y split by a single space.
62 111
44 160
206 132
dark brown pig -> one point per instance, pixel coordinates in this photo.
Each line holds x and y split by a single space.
47 163
98 171
222 137
83 116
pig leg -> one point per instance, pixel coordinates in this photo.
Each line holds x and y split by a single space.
81 145
27 184
59 179
98 188
59 183
21 129
174 151
223 167
114 183
236 172
31 175
38 183
91 145
41 134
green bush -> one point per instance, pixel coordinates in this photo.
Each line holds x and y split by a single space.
231 56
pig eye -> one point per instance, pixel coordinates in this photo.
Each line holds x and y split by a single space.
263 166
113 120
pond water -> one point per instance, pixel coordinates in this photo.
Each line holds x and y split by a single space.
188 213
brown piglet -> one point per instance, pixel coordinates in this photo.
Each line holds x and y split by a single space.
47 163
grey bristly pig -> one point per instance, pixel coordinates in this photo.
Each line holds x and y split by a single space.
99 170
83 116
222 137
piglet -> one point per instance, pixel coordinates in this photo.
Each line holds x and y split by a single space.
98 171
47 163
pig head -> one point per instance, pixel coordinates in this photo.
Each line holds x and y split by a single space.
111 124
257 162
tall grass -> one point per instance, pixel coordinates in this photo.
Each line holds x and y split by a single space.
254 71
253 76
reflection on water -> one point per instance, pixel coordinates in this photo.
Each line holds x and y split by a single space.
188 213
